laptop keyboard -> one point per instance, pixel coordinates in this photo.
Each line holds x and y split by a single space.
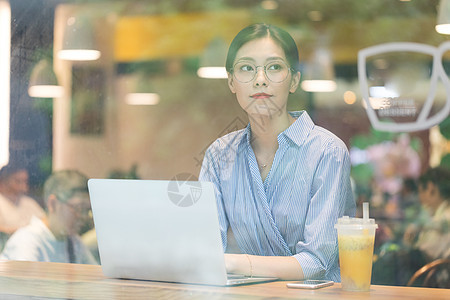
236 276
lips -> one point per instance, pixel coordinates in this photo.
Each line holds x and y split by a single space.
260 96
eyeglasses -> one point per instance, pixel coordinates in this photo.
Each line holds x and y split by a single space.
393 96
80 209
276 71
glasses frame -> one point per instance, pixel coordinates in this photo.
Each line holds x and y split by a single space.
79 212
422 122
290 69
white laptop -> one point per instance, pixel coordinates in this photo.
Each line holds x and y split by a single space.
160 230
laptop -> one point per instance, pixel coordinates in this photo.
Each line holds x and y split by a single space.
160 230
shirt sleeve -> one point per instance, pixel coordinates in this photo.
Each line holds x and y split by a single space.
210 172
21 246
331 198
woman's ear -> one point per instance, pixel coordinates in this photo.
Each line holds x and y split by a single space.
52 202
294 82
231 83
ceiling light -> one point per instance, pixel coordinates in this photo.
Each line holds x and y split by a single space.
318 75
142 99
141 91
212 60
443 17
78 41
43 82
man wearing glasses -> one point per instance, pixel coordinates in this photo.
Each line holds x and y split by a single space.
55 238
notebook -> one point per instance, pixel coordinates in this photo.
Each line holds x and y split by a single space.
160 230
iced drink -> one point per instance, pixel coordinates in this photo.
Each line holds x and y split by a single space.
355 239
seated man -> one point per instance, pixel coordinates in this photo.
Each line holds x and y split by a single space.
425 240
433 237
55 238
16 209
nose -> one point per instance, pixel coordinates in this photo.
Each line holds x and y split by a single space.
260 77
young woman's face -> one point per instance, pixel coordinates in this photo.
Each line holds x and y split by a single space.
17 183
262 95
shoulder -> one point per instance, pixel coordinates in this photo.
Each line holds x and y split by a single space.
28 200
26 243
31 232
326 138
24 239
227 142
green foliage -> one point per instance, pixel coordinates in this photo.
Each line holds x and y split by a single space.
362 174
444 127
45 164
43 104
373 138
445 161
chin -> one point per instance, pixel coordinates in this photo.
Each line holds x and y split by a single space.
263 111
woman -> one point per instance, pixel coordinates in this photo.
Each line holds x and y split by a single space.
282 182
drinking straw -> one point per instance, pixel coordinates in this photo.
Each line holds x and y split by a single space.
366 211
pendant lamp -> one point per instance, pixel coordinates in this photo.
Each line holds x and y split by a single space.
79 41
43 82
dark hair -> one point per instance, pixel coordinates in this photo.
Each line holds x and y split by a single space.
440 177
260 30
65 184
11 169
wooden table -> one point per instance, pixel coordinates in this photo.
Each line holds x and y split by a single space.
20 280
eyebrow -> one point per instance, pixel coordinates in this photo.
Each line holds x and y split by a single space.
272 58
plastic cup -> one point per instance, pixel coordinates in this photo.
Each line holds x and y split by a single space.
356 237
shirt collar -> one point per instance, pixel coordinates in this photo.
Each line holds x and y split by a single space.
297 132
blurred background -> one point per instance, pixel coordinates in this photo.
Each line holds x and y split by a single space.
140 103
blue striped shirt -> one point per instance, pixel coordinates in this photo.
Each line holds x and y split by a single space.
293 211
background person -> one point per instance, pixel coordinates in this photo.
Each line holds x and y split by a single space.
282 182
16 208
55 238
424 240
433 236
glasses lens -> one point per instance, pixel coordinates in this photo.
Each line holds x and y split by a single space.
244 71
80 209
276 71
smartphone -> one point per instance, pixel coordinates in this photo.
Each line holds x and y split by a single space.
309 284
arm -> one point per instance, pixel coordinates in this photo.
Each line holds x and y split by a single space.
331 198
282 267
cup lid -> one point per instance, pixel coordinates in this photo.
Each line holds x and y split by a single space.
347 221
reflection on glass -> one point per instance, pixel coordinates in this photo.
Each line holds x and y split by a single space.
5 41
403 85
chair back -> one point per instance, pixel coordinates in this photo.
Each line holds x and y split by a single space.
435 274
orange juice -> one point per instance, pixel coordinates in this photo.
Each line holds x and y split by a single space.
355 239
355 256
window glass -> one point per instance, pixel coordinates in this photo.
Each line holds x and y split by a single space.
141 104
